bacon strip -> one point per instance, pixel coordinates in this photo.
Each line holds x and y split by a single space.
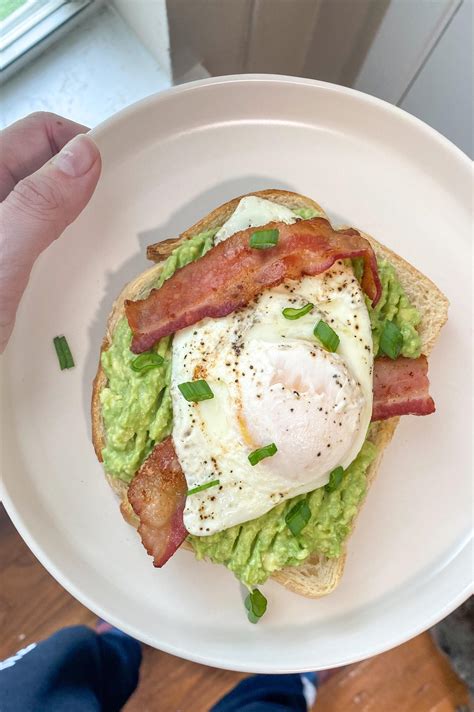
230 275
157 495
401 387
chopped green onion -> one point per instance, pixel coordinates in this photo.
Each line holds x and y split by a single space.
262 453
63 352
298 517
290 313
263 239
391 340
59 352
200 488
326 335
256 605
67 353
146 362
335 479
196 391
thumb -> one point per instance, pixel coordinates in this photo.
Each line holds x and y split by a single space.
35 214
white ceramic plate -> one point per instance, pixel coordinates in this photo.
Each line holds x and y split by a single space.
169 160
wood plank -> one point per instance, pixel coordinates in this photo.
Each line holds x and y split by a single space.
32 604
178 685
414 677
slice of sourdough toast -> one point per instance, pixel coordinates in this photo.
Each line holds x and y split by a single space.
318 575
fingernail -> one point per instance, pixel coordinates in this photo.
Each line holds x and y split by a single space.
77 157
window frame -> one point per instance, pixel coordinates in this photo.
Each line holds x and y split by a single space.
23 36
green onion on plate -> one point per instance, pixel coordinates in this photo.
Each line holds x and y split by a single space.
146 362
391 340
326 335
298 517
205 486
195 391
256 605
63 352
263 239
291 313
335 479
262 453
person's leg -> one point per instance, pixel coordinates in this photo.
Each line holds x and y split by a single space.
270 693
75 669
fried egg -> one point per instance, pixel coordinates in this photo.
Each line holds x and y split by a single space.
273 382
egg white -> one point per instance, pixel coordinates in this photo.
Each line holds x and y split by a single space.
253 211
272 382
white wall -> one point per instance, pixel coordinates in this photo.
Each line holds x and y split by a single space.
422 60
407 34
442 93
149 20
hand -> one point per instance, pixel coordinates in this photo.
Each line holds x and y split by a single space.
48 172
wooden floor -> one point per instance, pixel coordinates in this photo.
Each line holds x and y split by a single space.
414 677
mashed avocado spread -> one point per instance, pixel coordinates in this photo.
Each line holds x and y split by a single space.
137 413
136 408
392 306
255 549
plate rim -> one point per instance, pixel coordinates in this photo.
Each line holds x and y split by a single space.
280 79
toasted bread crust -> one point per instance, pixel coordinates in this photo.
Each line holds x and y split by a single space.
160 250
319 575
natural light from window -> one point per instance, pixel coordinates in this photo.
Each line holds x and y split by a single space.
9 6
26 23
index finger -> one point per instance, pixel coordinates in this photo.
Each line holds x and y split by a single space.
29 143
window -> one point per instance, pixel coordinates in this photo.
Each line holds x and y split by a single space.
24 24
